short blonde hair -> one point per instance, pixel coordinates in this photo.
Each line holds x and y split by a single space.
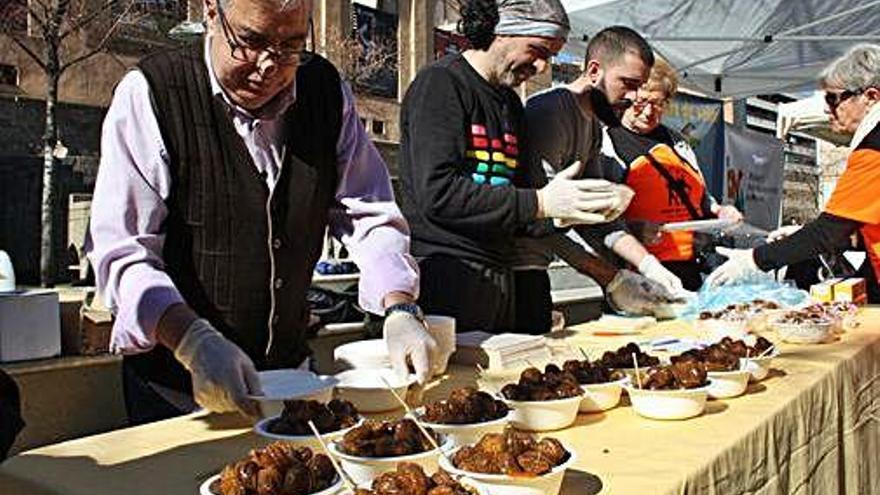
664 77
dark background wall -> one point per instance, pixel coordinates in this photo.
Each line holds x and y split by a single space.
21 175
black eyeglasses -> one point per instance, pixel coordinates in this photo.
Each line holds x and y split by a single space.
288 53
833 100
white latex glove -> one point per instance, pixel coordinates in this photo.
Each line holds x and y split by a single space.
407 338
569 201
650 267
222 374
783 232
740 264
729 212
634 294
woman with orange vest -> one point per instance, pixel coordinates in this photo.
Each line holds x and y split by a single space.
660 166
852 97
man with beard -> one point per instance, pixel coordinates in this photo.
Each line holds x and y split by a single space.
565 126
222 164
463 189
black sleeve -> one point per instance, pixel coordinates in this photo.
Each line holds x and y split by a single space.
824 235
436 126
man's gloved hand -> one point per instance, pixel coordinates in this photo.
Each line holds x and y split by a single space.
729 212
407 338
651 267
569 201
783 232
634 294
740 264
223 375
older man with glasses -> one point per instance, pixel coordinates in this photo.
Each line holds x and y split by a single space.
222 165
852 95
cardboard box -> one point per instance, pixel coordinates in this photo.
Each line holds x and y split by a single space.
30 325
95 324
824 291
853 290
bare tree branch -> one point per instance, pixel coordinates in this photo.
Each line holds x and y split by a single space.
101 44
31 53
86 19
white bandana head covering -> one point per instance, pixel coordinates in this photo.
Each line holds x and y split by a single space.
545 18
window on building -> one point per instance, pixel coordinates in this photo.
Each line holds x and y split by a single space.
8 75
378 127
363 122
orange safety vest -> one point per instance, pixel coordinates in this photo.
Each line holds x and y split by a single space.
855 196
658 199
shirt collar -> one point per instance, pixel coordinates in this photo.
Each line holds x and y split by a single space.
269 111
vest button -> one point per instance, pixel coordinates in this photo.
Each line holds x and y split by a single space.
278 283
276 243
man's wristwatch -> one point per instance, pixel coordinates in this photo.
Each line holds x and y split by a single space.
411 308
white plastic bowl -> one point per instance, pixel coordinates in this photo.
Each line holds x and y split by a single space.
362 354
727 384
600 396
471 485
261 429
717 329
369 394
364 469
205 487
758 367
464 434
668 404
289 384
544 415
805 333
502 484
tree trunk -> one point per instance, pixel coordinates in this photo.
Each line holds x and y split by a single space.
50 206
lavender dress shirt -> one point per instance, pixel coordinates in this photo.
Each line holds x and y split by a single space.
129 206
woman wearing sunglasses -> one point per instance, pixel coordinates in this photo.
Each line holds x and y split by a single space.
852 93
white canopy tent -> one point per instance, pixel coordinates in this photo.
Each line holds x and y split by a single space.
736 48
807 116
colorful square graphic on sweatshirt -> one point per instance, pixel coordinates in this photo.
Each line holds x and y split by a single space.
491 160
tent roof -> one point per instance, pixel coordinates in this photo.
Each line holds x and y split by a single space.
736 47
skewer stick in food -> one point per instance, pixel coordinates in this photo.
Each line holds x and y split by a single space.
415 418
638 375
346 479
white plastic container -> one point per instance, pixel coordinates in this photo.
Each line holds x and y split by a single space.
262 429
464 434
668 404
7 273
805 333
30 325
364 469
501 484
288 384
716 329
544 415
758 367
205 487
728 384
600 397
366 390
362 354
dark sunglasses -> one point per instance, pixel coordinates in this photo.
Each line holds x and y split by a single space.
833 100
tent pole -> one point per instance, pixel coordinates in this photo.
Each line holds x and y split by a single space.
766 39
830 18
